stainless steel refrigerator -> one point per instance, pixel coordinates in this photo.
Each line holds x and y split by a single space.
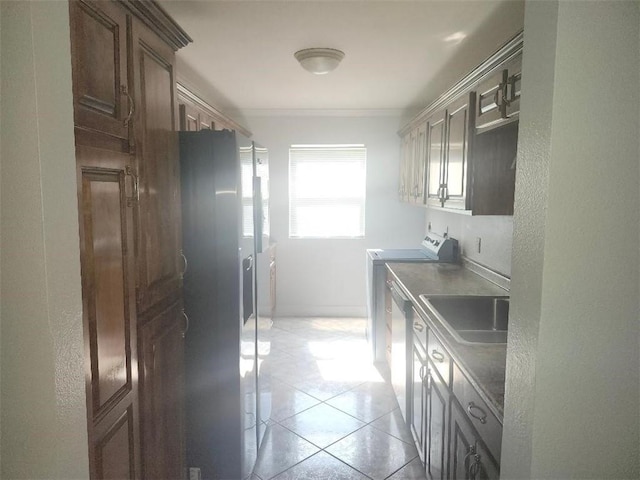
225 231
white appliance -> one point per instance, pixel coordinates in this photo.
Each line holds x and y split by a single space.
434 248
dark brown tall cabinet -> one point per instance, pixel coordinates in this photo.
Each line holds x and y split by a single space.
125 114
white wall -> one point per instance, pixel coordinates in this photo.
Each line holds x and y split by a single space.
43 418
573 387
495 233
327 277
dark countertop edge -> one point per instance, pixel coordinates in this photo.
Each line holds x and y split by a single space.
497 407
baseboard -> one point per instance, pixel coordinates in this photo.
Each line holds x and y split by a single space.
321 311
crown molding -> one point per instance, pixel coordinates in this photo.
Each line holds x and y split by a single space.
157 19
504 54
184 92
320 112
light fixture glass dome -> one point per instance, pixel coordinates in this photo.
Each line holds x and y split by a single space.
319 60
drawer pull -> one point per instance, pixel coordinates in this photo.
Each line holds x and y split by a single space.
388 310
483 415
418 327
437 356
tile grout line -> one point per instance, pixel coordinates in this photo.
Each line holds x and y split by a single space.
303 356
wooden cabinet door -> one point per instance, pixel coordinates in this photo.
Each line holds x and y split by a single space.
489 104
158 214
109 314
161 347
411 181
207 122
419 163
456 166
512 92
469 458
189 118
418 397
406 158
99 55
436 422
494 165
435 158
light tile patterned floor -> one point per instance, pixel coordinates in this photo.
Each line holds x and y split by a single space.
334 415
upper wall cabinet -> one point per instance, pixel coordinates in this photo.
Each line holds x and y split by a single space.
448 173
412 165
196 114
467 161
101 92
499 97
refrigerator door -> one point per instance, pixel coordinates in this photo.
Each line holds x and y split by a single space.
248 387
248 367
220 351
264 321
262 220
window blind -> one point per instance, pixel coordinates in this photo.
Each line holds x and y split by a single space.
327 185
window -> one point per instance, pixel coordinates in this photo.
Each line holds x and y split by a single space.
327 191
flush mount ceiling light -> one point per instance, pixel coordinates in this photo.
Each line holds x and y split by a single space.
319 60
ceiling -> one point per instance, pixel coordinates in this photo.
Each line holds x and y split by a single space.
399 54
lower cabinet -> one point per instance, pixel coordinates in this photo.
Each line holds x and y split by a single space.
448 441
161 356
469 458
429 414
436 416
418 398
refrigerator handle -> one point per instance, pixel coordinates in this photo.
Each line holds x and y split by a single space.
259 214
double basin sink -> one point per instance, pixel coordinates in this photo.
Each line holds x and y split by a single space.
471 320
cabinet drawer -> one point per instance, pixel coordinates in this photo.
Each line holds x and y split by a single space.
419 329
439 357
478 413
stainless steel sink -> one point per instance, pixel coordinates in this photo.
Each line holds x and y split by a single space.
472 320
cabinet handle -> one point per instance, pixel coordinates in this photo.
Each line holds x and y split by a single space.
437 356
483 415
474 468
132 105
128 170
186 323
186 264
496 97
471 450
511 87
418 326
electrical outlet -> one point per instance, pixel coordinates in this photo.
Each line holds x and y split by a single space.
195 473
478 244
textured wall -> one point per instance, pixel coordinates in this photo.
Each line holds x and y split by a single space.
573 385
43 419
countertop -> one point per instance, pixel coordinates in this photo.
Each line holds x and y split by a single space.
484 366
